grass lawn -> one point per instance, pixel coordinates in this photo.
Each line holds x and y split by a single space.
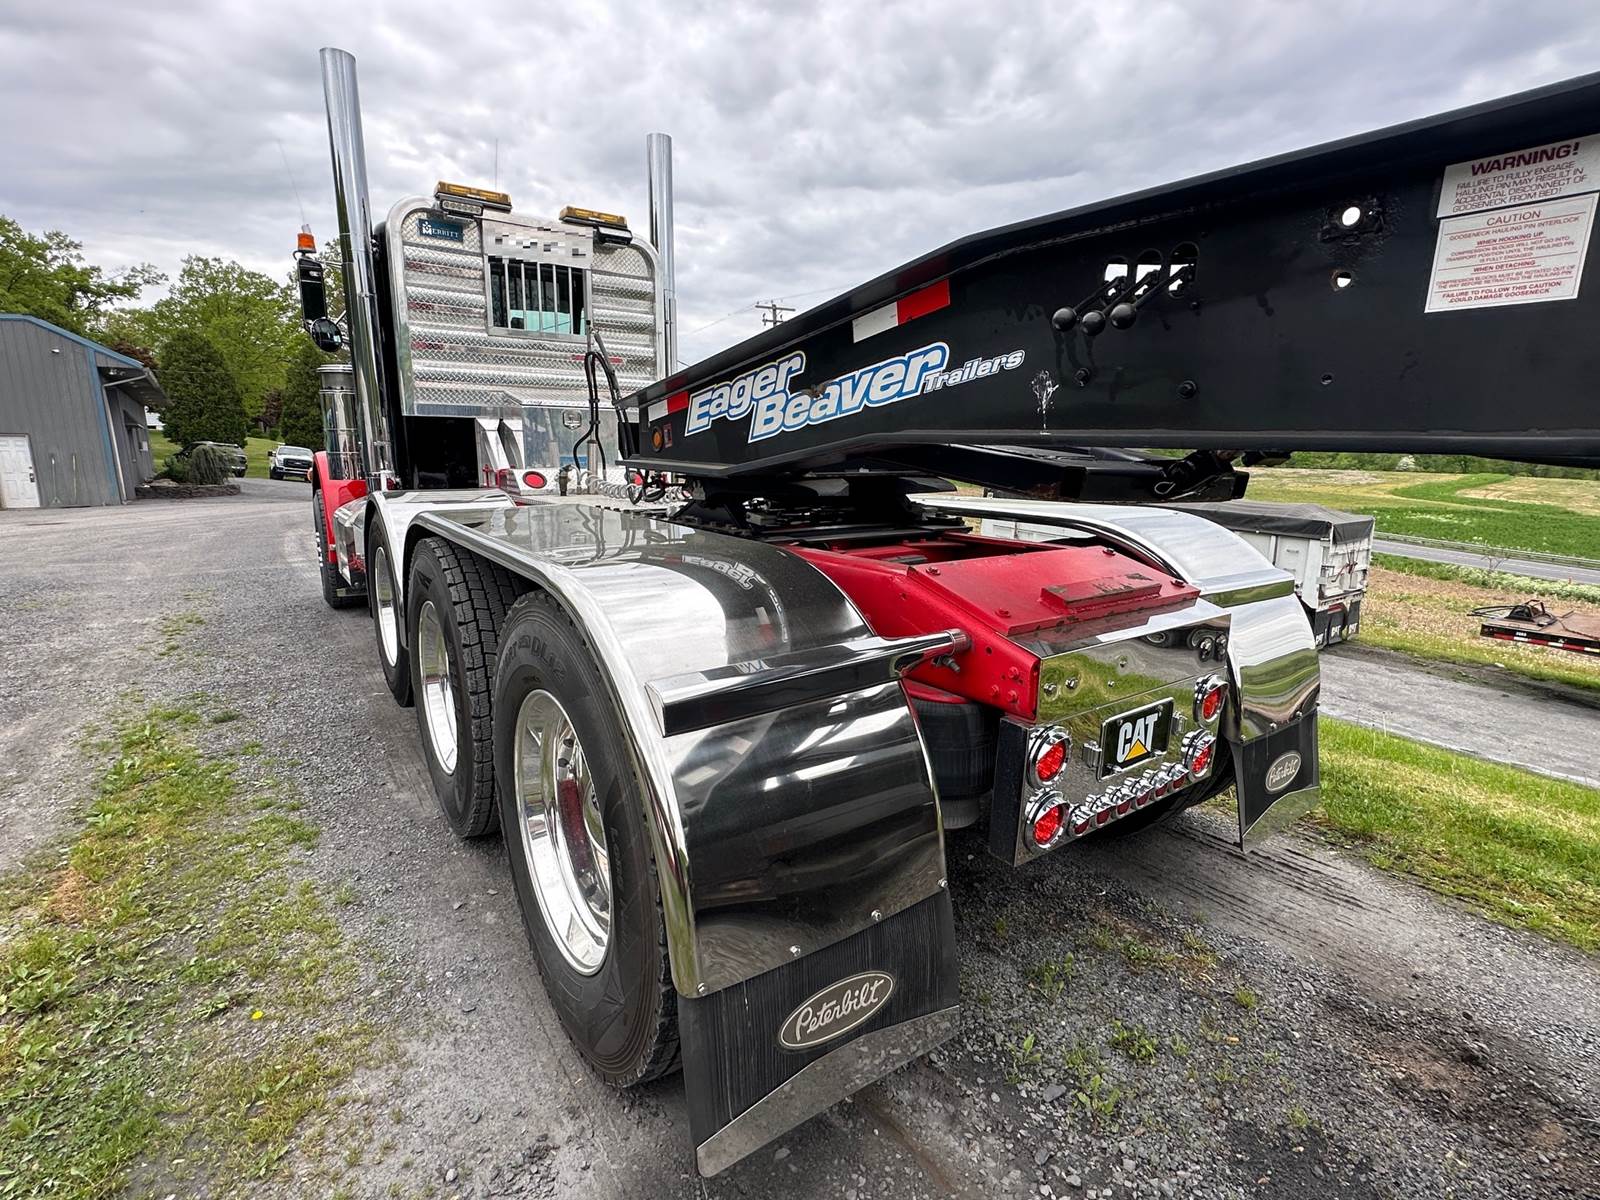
1555 516
1426 609
176 998
255 452
1522 849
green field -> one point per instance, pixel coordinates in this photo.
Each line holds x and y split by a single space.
1552 516
255 452
1521 848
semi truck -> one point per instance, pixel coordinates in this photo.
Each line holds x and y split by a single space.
716 650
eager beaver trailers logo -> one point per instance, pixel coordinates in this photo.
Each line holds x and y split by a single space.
762 394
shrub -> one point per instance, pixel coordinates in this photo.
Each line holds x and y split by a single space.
175 469
208 465
203 403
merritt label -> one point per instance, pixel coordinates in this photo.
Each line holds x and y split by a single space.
836 1010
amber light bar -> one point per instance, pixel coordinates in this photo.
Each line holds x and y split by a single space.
460 191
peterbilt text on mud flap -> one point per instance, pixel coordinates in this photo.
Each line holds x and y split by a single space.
727 692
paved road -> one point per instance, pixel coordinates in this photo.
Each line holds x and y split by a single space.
1314 1028
1513 724
1466 558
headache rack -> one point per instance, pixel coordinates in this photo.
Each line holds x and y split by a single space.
1369 294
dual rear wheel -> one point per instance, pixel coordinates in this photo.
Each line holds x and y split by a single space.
519 730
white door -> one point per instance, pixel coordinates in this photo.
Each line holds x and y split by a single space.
18 489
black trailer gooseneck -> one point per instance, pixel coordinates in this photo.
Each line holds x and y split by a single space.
1414 290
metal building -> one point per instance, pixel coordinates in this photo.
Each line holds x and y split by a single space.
72 424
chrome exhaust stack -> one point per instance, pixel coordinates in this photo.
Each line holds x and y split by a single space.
343 100
658 160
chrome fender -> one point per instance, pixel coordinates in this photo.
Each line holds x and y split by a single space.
789 800
1272 653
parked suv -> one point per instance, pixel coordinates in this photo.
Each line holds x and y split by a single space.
289 461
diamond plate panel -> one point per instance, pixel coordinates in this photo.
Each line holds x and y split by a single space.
451 361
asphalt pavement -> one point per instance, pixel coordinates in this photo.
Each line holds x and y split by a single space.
1512 723
1157 1016
1488 562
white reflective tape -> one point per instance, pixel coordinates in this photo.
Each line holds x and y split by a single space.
875 322
657 411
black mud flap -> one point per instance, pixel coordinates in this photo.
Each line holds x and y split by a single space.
1277 777
762 1056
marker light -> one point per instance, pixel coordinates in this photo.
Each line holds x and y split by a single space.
1209 695
1047 753
533 479
1126 796
304 240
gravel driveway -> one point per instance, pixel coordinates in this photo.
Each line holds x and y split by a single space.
1152 1017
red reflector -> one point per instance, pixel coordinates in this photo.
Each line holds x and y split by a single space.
930 299
1051 762
1202 759
1048 824
1211 705
533 479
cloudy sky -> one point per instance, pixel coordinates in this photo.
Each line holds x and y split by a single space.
816 144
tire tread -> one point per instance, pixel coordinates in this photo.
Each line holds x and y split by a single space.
665 1053
481 593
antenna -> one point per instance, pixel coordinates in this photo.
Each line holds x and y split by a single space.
497 164
293 186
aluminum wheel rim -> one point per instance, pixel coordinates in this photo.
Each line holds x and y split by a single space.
438 692
563 837
383 591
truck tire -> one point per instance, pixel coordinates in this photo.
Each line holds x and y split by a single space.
384 608
328 572
571 809
455 604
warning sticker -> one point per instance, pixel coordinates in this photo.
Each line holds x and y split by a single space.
1513 256
1521 177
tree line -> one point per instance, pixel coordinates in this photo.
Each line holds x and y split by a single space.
225 342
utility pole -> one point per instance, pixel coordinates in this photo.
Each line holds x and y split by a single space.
774 313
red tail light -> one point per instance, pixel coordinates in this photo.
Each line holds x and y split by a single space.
533 479
1209 696
1198 753
1047 753
1048 824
